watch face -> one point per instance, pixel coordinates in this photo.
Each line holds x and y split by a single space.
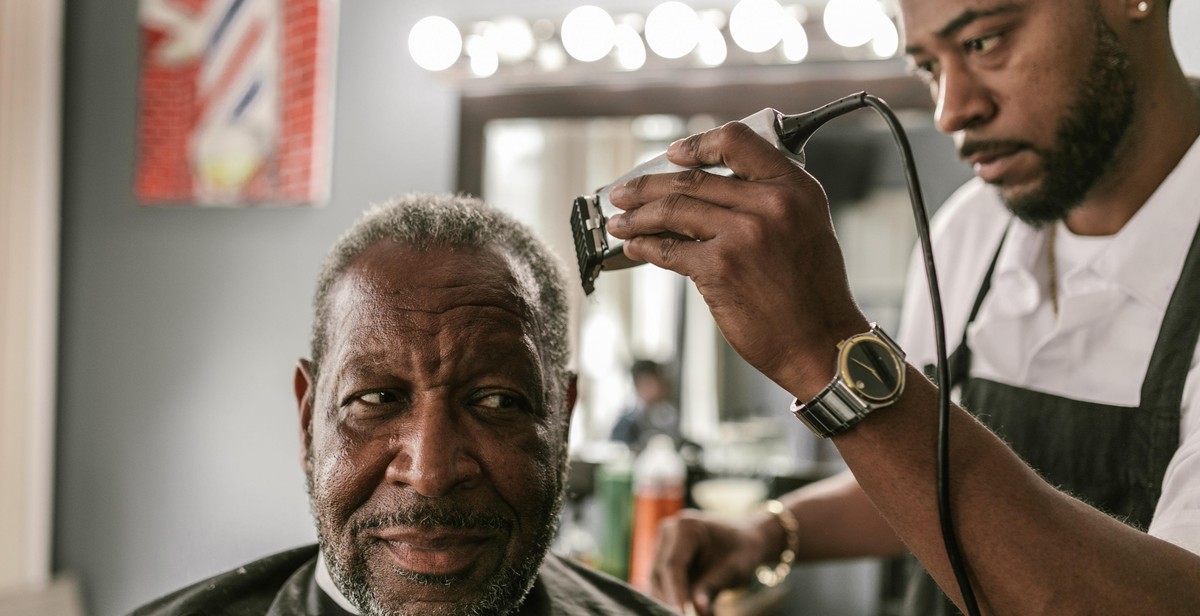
871 369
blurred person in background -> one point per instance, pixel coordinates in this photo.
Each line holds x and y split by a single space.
651 412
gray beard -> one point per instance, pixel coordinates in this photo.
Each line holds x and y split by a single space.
502 594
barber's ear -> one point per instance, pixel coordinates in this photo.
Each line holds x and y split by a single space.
305 388
1138 10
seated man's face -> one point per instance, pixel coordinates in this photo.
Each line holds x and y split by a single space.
433 456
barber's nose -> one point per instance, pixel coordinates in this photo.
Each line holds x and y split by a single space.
432 451
962 101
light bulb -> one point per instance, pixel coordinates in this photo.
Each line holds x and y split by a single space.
434 43
671 29
484 59
795 41
756 25
886 41
511 37
851 23
631 52
711 48
587 33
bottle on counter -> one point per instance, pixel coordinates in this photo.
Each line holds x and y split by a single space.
614 498
659 479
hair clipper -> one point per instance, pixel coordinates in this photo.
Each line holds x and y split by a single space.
788 133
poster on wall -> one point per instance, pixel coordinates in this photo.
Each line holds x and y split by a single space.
234 102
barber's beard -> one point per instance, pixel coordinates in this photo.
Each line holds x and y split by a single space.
1088 137
502 594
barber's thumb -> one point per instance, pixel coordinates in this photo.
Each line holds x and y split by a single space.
703 594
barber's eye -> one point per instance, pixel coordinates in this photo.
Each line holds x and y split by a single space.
981 44
923 70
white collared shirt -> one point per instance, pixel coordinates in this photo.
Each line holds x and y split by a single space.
1113 293
325 583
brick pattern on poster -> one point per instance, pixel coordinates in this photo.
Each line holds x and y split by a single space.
231 107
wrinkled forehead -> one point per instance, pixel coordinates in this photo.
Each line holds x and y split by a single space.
447 312
434 281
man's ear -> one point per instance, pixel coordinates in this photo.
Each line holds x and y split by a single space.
305 387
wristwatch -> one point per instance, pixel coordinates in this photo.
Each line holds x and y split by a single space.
870 376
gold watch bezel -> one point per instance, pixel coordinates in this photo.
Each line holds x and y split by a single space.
857 387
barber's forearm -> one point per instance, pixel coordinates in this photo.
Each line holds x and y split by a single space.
1029 548
837 521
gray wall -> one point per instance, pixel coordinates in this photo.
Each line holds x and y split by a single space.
178 450
177 453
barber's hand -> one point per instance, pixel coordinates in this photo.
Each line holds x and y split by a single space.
699 555
765 256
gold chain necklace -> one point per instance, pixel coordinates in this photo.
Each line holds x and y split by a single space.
1053 263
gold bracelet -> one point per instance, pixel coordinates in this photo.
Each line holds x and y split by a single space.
770 576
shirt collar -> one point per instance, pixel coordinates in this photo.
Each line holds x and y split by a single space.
325 583
1016 277
1156 239
1158 236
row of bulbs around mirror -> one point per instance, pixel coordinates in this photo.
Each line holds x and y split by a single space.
672 30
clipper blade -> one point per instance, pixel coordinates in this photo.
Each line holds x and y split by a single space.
587 228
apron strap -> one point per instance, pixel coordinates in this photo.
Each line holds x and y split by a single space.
960 358
1162 387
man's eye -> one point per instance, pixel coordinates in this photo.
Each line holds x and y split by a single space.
981 44
379 397
498 402
923 70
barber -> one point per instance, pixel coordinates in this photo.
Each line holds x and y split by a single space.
769 266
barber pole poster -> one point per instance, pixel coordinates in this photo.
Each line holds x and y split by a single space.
234 102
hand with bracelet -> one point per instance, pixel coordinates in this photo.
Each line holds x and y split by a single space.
772 211
700 554
741 550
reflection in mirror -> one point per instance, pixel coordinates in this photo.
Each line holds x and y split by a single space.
532 150
534 167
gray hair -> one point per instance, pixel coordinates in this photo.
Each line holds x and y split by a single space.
429 220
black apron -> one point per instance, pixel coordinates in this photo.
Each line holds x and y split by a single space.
1118 468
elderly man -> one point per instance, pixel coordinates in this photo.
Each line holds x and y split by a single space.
433 424
1069 270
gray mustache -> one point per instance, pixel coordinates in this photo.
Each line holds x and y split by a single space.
428 516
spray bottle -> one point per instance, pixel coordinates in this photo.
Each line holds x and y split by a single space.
659 477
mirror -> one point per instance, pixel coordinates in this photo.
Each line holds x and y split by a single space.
531 152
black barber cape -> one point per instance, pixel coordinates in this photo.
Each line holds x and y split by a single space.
284 584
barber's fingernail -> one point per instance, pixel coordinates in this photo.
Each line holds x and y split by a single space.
674 147
615 221
618 191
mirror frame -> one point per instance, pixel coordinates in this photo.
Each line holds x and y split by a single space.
722 93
